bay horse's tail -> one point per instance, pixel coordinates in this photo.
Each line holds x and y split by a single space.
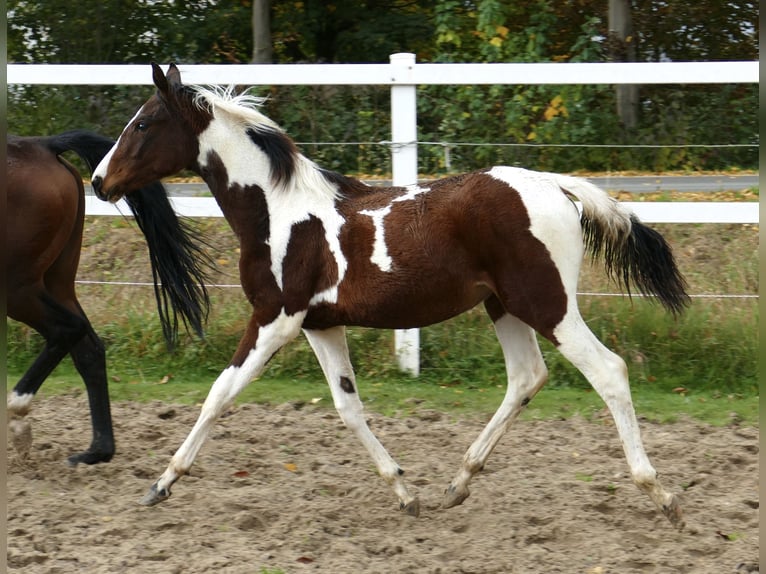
634 254
179 263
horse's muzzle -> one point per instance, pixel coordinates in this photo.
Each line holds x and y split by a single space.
98 188
97 184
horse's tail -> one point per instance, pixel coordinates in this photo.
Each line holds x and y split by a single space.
179 263
90 146
634 254
180 266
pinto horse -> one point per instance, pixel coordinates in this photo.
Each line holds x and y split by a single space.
320 251
45 217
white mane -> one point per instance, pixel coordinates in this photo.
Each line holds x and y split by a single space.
244 108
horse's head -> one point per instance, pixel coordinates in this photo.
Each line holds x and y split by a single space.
159 141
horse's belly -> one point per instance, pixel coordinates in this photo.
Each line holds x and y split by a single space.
396 308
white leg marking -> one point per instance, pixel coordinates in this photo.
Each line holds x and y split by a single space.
226 388
20 428
331 349
19 404
527 374
608 375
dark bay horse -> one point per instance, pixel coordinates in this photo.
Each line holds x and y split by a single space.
320 251
45 214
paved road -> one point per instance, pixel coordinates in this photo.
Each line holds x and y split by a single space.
632 184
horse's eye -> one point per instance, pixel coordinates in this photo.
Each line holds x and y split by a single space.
141 125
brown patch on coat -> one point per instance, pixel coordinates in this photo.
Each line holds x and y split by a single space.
309 266
451 248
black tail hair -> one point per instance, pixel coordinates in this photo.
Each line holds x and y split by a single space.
90 146
642 258
180 265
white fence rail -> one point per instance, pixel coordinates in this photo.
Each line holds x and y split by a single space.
649 212
403 74
402 70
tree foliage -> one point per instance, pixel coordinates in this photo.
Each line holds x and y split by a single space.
513 124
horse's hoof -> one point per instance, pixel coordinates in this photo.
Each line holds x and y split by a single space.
412 508
673 513
21 436
89 457
454 496
155 496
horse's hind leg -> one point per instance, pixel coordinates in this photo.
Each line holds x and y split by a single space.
526 375
89 358
64 331
38 310
331 349
608 375
23 392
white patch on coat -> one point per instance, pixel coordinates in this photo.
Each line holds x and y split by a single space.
554 219
380 255
307 193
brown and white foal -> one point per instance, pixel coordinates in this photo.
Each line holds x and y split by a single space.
320 251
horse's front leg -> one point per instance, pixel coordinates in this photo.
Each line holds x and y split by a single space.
331 349
258 345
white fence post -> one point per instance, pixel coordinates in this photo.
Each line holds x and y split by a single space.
404 167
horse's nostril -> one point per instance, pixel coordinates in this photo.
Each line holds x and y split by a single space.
96 182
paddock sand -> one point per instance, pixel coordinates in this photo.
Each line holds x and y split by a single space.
288 489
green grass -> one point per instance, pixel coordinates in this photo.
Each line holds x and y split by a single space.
703 365
404 396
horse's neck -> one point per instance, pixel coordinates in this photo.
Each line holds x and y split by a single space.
263 212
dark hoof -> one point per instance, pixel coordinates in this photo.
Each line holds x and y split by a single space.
412 508
454 496
89 457
155 496
673 513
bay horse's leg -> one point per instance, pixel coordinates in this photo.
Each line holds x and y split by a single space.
89 358
255 349
527 374
331 349
608 375
64 331
20 398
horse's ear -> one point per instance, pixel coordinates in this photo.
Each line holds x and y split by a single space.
159 78
174 75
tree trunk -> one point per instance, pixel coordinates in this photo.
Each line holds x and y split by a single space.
622 48
261 32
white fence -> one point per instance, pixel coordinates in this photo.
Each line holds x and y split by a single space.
403 74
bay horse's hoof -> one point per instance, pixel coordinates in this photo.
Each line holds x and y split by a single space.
454 496
89 457
673 513
21 436
412 508
155 496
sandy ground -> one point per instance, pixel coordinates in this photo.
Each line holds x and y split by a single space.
286 489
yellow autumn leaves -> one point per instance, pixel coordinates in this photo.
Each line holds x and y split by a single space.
502 33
